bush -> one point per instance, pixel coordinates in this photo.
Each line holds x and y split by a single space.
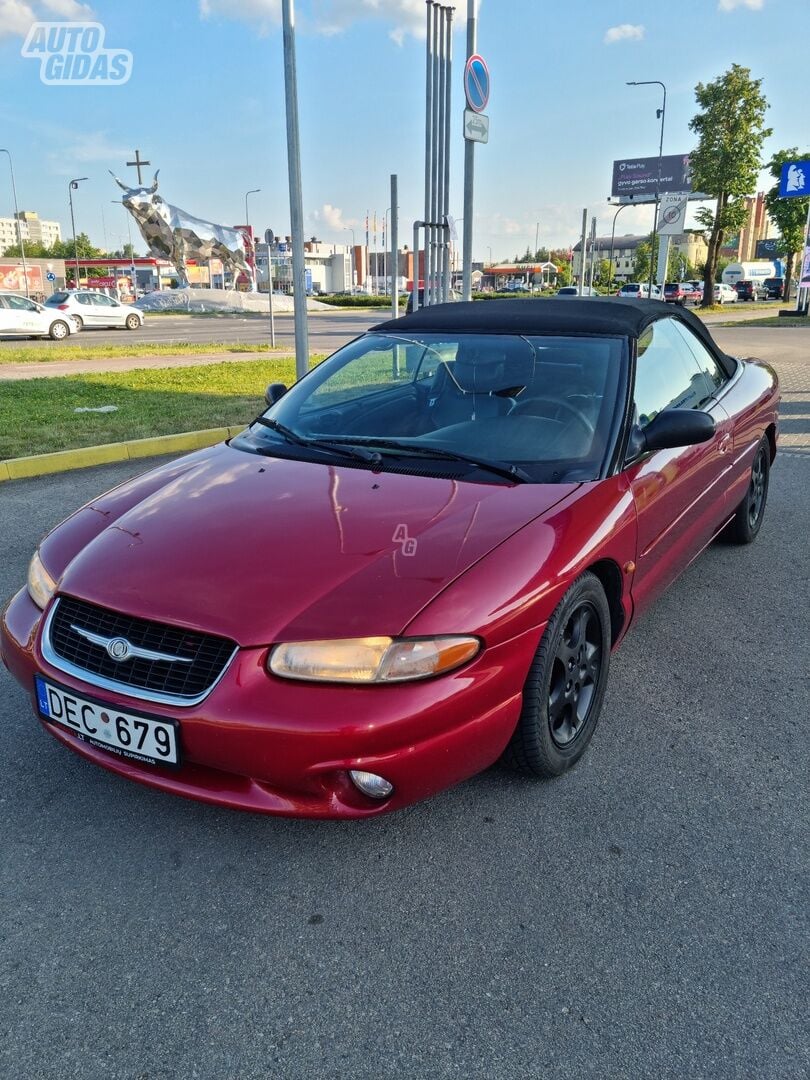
344 300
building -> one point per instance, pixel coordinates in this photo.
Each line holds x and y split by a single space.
34 230
691 246
758 226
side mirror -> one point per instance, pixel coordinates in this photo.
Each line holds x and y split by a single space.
672 428
274 392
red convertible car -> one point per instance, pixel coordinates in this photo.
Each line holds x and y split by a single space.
415 562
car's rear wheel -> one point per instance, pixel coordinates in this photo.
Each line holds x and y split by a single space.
746 523
563 694
79 321
59 330
133 322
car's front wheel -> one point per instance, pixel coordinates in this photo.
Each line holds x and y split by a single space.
746 523
133 322
79 321
563 694
59 330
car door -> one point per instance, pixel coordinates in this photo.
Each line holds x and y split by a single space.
24 316
108 311
87 310
679 493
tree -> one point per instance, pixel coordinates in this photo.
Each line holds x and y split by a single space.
728 157
646 250
789 215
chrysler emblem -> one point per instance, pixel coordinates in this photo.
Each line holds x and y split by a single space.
119 649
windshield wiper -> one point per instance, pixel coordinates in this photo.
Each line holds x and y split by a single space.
500 468
325 445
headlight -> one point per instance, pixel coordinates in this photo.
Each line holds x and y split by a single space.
371 660
41 585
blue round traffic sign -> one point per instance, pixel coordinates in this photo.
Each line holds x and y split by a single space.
476 83
51 276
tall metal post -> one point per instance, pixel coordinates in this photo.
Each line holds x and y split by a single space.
436 291
612 240
583 251
469 167
296 195
429 147
394 240
17 218
71 188
417 225
446 270
430 282
593 253
661 114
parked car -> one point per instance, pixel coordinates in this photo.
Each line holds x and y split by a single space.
750 290
680 292
573 290
725 294
415 561
21 317
774 287
92 309
639 290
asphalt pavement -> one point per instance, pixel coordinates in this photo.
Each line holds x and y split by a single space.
642 917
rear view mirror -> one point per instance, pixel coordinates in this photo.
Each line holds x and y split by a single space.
672 428
274 392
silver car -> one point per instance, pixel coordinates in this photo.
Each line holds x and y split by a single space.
91 309
21 317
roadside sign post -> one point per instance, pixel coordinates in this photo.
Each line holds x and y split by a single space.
268 239
671 221
794 183
477 84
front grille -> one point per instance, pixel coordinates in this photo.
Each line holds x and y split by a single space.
208 654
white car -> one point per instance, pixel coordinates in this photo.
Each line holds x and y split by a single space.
95 309
21 317
724 294
639 290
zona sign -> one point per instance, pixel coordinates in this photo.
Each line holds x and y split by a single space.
476 83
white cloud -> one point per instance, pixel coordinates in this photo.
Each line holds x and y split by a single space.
68 9
15 17
624 32
331 217
730 5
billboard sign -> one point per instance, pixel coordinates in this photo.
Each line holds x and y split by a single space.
12 278
638 176
767 249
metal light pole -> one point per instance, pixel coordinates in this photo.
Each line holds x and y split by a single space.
71 188
296 194
469 167
17 217
115 202
661 115
253 191
612 239
393 239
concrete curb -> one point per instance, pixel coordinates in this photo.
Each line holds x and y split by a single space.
85 456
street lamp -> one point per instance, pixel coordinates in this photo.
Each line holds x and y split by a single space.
253 191
131 253
612 239
17 216
661 115
71 188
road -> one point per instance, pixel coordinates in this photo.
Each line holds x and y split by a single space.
643 917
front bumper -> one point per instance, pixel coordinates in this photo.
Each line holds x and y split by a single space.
280 747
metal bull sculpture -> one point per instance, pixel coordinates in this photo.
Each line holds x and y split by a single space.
171 233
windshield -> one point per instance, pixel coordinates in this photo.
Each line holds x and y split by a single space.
547 406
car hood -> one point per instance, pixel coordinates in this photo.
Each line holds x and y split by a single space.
254 548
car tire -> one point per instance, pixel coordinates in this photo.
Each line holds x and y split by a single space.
747 520
79 321
59 330
566 684
132 322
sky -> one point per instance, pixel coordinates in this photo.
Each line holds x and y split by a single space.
205 105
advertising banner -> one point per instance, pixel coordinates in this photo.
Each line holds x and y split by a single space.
12 278
638 176
767 249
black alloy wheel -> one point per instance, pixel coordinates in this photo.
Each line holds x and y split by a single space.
746 523
566 684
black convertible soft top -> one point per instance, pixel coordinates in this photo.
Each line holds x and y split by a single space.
574 315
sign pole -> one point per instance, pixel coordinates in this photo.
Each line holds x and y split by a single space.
469 167
296 195
393 236
583 257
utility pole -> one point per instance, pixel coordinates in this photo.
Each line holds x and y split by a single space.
71 188
469 167
660 115
17 218
296 195
582 256
394 240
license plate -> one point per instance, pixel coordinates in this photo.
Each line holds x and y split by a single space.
128 735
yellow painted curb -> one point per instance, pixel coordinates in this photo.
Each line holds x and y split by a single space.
85 456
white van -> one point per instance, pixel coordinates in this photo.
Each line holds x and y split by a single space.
748 271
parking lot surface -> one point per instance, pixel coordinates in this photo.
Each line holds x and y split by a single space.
644 916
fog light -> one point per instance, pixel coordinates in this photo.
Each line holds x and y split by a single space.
376 787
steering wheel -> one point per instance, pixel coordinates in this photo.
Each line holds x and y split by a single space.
529 407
